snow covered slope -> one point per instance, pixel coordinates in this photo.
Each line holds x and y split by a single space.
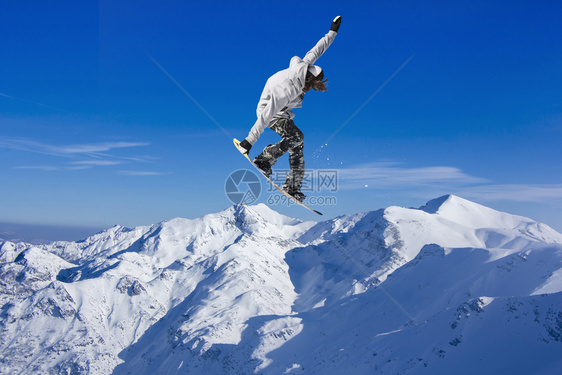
451 287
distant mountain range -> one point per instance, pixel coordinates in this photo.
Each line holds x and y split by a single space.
453 287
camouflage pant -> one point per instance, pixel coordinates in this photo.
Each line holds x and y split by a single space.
291 141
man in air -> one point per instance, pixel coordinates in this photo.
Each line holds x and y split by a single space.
284 91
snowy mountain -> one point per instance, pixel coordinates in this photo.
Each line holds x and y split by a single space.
451 287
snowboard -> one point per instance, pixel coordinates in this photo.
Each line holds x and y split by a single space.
290 197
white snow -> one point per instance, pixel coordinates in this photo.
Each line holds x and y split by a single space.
451 287
552 285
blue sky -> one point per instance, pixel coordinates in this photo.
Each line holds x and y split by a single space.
93 133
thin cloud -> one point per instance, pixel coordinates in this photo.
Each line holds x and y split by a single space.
46 168
90 154
140 173
30 101
97 162
30 145
52 168
439 180
515 192
389 174
98 147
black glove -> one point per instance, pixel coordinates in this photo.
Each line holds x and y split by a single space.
336 24
245 146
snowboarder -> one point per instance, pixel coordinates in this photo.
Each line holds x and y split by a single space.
284 91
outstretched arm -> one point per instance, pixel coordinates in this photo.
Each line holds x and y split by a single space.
323 43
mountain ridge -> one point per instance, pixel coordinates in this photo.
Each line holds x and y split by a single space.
250 290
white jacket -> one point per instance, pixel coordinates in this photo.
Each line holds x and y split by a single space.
283 90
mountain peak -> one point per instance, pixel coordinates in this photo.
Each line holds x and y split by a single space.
471 214
447 202
261 213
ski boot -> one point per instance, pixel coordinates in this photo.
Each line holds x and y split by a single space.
297 194
264 167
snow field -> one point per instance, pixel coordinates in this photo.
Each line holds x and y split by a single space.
248 290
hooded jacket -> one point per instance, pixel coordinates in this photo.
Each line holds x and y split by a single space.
283 90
